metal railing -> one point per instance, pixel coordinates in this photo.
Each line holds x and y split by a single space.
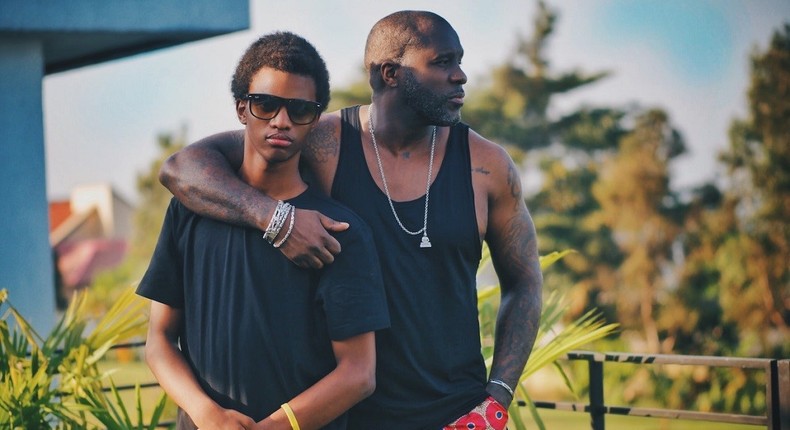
777 389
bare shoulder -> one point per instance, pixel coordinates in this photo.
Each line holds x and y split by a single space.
492 166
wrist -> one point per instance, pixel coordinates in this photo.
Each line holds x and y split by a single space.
202 412
500 391
282 212
263 213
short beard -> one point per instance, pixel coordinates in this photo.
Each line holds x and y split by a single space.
431 106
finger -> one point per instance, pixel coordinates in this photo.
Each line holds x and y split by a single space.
326 256
331 248
308 262
332 225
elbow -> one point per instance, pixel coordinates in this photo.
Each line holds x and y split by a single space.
167 173
153 353
363 381
150 352
370 383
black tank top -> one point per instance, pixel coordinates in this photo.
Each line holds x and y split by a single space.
430 369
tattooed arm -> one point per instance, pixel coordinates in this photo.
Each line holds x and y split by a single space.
510 235
203 177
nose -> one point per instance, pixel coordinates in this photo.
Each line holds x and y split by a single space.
281 120
458 76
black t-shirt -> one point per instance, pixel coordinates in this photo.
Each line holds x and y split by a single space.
257 328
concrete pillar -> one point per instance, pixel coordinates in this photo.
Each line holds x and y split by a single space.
26 265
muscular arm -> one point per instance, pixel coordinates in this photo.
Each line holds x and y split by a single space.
352 380
175 376
202 177
511 237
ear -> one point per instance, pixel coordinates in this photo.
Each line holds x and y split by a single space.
389 74
241 111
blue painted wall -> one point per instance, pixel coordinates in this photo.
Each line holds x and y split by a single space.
41 35
25 258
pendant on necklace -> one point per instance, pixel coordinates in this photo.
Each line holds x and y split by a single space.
425 243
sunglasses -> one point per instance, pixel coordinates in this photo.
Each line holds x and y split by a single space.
267 106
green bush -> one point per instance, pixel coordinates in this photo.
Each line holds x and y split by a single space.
54 381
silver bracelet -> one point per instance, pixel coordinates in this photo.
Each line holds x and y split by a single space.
278 220
290 229
501 384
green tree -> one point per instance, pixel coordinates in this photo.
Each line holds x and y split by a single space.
154 198
636 206
760 153
512 108
356 93
740 248
148 217
567 150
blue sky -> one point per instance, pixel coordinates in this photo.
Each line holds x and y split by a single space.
687 57
696 36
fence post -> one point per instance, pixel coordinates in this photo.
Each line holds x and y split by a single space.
778 391
597 409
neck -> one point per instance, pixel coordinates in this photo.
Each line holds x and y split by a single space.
280 180
397 130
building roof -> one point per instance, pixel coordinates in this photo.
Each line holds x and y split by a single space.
78 33
59 211
83 241
79 262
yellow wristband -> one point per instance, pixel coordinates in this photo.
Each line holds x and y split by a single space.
291 417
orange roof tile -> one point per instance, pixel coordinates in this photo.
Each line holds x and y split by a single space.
59 211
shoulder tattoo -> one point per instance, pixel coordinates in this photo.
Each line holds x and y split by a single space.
513 181
321 145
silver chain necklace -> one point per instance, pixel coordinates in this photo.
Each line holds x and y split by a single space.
425 242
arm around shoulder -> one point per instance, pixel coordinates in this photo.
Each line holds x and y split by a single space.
203 177
222 151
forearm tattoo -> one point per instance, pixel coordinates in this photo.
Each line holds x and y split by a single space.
521 278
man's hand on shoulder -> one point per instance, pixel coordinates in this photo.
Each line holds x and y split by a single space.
310 245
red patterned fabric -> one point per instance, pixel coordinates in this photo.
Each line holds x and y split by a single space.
489 415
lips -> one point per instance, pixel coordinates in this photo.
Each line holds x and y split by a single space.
279 139
457 98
